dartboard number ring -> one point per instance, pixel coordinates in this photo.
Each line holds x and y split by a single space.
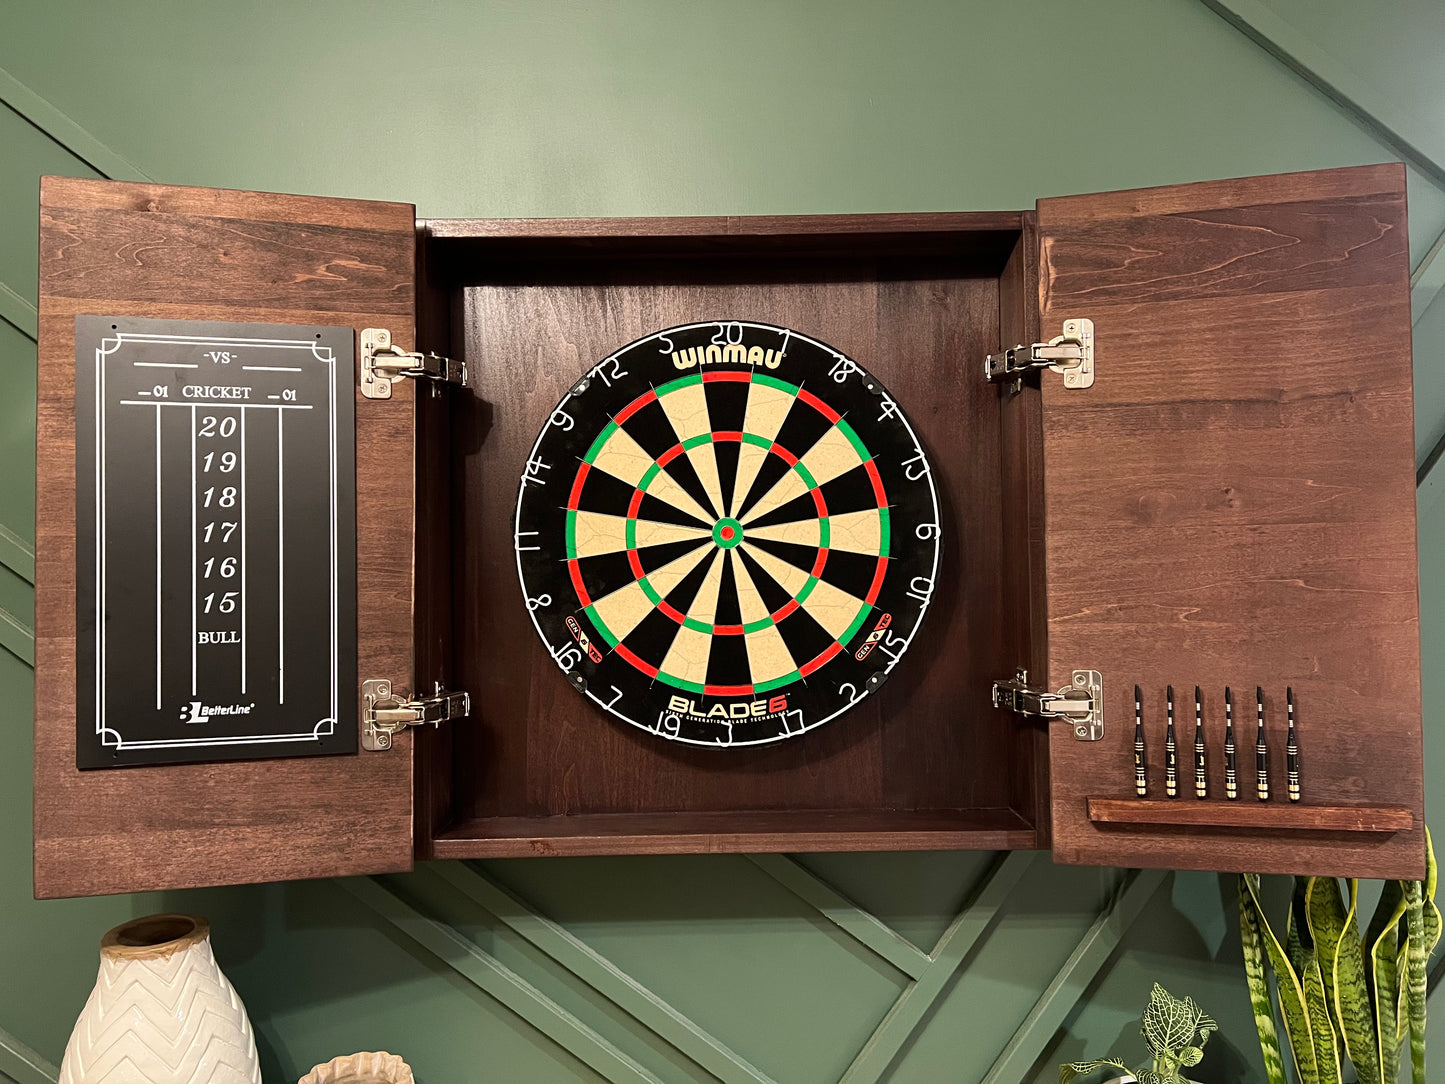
727 533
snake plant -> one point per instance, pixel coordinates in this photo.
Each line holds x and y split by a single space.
1174 1029
1343 996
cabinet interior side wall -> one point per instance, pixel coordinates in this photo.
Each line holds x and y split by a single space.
927 741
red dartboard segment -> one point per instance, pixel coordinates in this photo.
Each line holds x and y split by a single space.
716 377
782 453
741 582
876 587
817 404
809 667
873 476
633 407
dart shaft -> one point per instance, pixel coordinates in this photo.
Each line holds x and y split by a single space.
1171 764
1231 767
1201 785
1291 754
1141 782
1261 766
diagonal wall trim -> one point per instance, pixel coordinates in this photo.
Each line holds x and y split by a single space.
17 638
23 1065
501 982
857 923
1420 142
17 555
629 995
913 1005
1079 970
1427 280
19 313
65 131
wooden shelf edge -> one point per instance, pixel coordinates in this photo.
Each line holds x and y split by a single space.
1266 816
756 833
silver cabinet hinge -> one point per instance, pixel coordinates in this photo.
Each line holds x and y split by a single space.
1071 354
1081 703
384 713
382 364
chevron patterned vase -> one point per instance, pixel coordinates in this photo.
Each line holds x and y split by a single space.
161 1012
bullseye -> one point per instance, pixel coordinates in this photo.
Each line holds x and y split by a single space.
727 532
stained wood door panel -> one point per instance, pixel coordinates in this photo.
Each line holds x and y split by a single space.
123 249
1232 503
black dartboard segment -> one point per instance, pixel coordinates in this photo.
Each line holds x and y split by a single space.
727 534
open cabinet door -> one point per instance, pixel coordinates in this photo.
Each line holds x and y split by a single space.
1232 503
119 249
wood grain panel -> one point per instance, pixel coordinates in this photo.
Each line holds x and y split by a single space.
149 250
726 832
544 759
1021 464
1313 818
1232 503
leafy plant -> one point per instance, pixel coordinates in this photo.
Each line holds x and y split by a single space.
1175 1031
1342 995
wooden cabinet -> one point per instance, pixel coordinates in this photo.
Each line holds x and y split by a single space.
1230 503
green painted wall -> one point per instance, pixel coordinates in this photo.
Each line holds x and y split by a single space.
666 968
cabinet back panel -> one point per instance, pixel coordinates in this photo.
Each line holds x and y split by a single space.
928 739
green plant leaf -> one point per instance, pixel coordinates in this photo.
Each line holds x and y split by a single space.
1170 1023
1258 983
1383 978
1336 935
1424 935
1296 928
1402 966
1287 984
1190 1056
1415 1000
1072 1069
1327 1050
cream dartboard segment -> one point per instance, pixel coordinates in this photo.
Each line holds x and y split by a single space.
727 533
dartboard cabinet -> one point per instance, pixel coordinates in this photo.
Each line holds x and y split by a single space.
680 535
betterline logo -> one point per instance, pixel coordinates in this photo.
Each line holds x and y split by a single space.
197 712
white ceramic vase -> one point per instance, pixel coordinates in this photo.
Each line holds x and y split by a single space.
161 1012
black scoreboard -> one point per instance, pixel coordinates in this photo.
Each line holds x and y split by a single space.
216 545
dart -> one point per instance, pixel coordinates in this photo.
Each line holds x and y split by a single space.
1261 749
1171 753
1141 784
1201 785
1291 749
1231 765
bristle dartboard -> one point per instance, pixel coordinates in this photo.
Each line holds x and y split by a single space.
727 533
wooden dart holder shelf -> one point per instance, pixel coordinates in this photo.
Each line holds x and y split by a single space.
1232 495
1272 816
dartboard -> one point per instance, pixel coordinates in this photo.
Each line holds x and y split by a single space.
727 533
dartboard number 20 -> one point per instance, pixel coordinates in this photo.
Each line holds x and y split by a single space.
727 534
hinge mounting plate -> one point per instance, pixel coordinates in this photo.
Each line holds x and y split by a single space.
382 364
1081 703
384 713
1071 354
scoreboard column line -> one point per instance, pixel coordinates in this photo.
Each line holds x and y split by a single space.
195 587
242 503
280 560
158 557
